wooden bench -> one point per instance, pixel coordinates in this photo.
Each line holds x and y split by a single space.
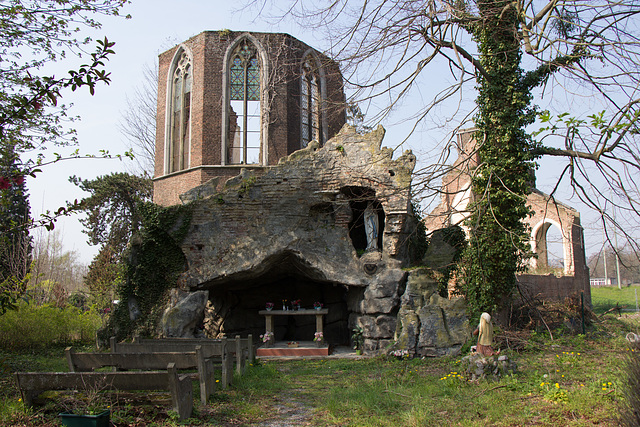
237 346
31 384
216 351
87 362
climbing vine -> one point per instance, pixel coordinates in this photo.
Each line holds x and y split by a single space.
498 245
152 266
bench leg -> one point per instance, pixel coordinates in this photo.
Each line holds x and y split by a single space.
252 350
205 376
227 370
239 356
181 393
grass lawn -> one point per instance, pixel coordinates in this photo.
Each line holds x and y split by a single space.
604 298
570 381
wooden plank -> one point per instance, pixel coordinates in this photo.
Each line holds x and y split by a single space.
83 362
148 380
209 349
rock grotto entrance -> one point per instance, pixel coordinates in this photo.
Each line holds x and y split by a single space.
235 301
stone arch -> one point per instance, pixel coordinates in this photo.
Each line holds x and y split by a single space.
540 245
168 134
226 96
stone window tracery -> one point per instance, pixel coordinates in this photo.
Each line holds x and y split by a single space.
180 114
310 101
244 113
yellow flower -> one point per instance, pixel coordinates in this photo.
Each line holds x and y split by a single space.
609 383
541 384
604 388
557 385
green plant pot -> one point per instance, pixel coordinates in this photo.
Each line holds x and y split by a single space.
73 420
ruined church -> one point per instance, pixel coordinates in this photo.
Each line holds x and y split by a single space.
289 203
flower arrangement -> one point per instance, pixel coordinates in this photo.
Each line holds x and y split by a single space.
269 305
267 336
400 354
284 304
318 336
296 304
317 305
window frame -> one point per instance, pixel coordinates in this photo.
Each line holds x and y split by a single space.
260 55
182 62
311 111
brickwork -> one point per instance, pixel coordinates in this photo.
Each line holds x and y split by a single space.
281 57
456 196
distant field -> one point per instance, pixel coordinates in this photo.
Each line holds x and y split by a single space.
605 297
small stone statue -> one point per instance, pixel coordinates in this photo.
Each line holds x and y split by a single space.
485 336
371 227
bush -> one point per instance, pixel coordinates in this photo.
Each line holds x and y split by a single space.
32 326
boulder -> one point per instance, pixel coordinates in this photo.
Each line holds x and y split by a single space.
428 324
476 366
185 312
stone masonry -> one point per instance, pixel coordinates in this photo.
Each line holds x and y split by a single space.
296 231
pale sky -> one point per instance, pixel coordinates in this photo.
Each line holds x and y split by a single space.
155 26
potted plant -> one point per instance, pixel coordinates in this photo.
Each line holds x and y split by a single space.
317 305
358 339
295 304
269 306
93 411
98 420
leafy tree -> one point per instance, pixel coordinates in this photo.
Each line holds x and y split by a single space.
113 216
15 241
508 52
55 272
36 33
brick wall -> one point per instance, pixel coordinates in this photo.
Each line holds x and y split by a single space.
280 105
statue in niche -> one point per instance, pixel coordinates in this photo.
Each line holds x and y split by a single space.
371 227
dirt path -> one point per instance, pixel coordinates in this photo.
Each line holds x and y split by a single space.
289 410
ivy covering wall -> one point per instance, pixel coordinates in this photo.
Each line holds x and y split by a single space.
152 265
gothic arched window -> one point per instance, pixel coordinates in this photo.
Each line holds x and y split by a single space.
179 114
244 105
310 101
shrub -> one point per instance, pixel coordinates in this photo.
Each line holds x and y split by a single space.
32 326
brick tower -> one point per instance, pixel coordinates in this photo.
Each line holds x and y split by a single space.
230 100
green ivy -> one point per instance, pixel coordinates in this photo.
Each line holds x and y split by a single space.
153 264
498 246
